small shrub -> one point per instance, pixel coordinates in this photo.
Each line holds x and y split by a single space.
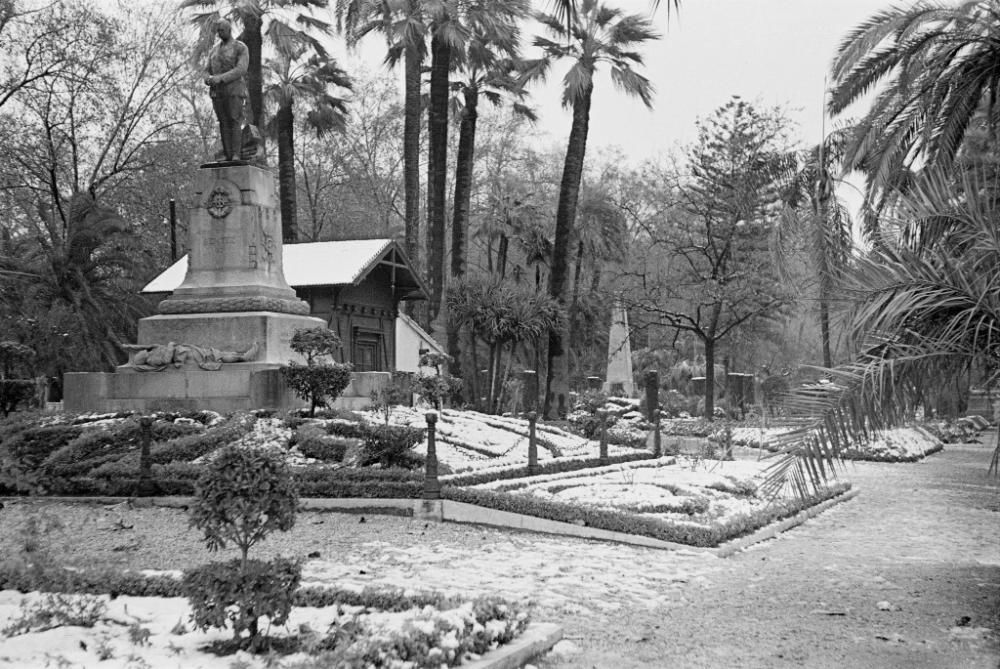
243 495
399 391
241 592
389 445
318 382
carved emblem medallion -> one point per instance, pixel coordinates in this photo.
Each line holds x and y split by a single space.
219 203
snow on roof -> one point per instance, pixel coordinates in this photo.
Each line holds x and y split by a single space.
311 264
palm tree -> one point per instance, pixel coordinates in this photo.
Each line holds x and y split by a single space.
928 308
938 66
566 10
402 24
811 205
493 71
455 26
285 24
307 80
598 34
83 270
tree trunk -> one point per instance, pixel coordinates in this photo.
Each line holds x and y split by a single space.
502 255
474 357
286 172
251 36
824 326
437 166
557 372
411 152
709 378
465 160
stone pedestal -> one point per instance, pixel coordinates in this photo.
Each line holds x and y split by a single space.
235 261
220 337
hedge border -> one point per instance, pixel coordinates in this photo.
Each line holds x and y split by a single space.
632 523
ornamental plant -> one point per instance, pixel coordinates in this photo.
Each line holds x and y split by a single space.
321 380
245 493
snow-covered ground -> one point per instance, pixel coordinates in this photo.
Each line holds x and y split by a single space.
900 443
472 441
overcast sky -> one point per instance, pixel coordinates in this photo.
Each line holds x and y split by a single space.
773 51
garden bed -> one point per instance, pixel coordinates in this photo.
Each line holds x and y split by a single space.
46 629
685 501
901 444
332 457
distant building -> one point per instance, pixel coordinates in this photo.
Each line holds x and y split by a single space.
356 287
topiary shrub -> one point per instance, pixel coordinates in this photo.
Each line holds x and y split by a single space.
245 493
318 382
238 593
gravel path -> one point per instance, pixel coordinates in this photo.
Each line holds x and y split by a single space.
921 540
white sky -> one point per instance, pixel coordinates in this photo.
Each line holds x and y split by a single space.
775 52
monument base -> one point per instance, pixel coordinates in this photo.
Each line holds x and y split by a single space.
238 387
235 387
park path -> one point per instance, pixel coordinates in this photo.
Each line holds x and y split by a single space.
905 575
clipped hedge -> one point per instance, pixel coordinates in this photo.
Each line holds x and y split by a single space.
134 584
193 446
633 523
545 467
370 483
32 446
120 479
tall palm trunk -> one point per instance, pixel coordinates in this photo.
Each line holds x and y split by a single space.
437 166
411 152
251 36
824 326
825 288
285 120
465 160
557 372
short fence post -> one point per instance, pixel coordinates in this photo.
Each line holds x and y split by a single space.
146 487
532 443
432 487
602 416
652 379
529 399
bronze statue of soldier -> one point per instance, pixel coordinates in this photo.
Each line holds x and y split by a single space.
227 68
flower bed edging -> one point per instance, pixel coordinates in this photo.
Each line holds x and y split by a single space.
537 639
774 529
463 512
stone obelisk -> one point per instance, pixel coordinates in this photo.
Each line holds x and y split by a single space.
619 379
